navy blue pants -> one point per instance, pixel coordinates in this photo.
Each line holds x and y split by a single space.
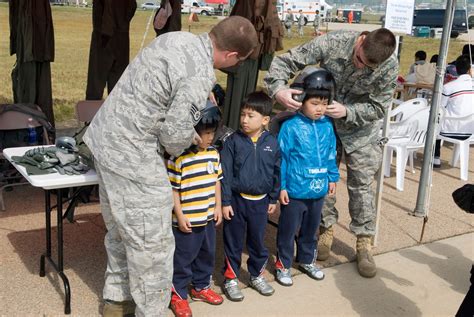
250 216
194 258
303 215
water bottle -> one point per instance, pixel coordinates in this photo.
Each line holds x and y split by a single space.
32 137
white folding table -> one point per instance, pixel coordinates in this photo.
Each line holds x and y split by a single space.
53 182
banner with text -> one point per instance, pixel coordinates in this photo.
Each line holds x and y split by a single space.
399 15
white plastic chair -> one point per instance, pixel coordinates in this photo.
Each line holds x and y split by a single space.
406 136
461 147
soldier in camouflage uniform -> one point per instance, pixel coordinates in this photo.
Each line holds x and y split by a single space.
153 109
365 69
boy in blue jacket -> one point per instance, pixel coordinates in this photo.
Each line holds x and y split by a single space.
250 189
308 173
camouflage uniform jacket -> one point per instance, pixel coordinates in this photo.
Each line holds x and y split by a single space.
154 107
365 93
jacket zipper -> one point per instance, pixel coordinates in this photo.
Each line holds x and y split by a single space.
317 143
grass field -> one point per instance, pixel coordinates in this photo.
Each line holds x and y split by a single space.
73 27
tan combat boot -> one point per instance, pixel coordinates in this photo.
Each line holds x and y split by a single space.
118 309
325 242
365 261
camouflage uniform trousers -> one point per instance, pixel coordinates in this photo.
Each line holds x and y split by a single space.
362 166
300 30
139 242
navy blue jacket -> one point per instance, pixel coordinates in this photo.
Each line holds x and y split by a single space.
250 168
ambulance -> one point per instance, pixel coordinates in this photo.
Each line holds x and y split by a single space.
309 9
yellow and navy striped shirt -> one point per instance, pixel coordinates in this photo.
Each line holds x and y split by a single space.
248 196
195 176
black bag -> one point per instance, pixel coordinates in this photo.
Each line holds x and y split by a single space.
464 197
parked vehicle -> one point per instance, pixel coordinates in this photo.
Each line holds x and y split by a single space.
308 7
149 6
198 8
434 18
343 14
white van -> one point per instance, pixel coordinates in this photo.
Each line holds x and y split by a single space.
309 9
188 6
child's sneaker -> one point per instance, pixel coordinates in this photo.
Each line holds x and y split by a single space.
312 271
283 276
206 295
232 290
261 285
180 307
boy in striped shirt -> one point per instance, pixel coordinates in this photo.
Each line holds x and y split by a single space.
195 177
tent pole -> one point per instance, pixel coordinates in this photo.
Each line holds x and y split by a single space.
424 184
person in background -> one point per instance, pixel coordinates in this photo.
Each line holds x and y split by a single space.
289 20
301 23
317 23
457 101
420 59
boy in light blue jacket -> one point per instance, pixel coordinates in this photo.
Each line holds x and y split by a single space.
308 173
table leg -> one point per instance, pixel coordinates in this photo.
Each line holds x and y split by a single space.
67 289
47 202
60 265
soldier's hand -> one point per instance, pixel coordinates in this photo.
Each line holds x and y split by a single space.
271 208
184 224
212 98
228 212
218 216
284 97
336 110
332 189
196 139
284 198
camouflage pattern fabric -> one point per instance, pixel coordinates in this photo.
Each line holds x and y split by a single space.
366 94
139 242
154 107
362 165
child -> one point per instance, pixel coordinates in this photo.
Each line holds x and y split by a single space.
301 23
251 164
308 172
195 177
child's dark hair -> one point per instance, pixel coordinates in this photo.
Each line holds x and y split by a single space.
211 117
259 102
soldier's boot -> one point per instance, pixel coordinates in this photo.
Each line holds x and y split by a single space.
326 236
118 309
365 261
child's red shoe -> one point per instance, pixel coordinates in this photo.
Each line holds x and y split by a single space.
180 307
207 295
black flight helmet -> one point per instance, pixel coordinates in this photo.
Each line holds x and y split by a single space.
314 82
210 117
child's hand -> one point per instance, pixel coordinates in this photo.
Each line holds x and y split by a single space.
184 224
332 189
218 216
284 199
227 212
271 208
